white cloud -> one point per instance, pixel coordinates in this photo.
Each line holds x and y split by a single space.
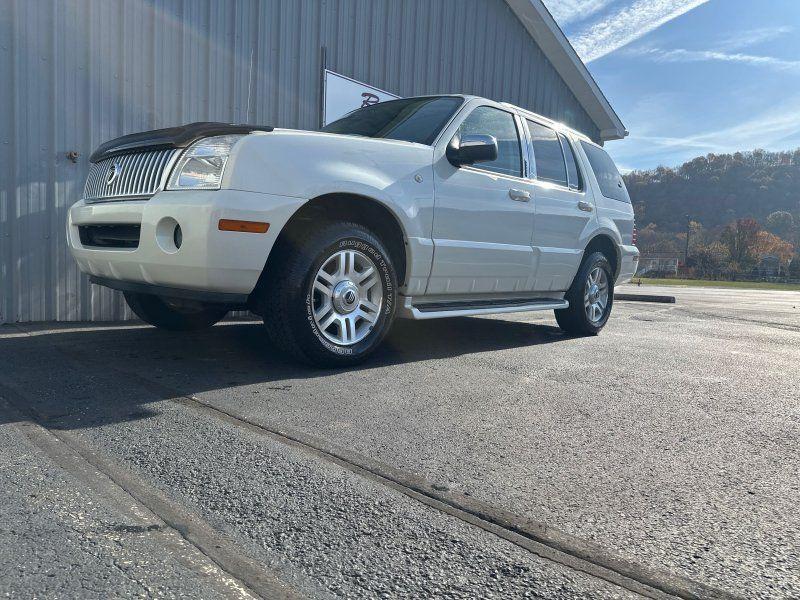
628 24
569 11
745 39
682 55
775 129
762 131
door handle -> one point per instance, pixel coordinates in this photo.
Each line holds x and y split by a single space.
519 195
585 206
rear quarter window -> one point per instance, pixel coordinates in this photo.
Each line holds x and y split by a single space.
608 177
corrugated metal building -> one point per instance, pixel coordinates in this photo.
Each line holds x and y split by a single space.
75 73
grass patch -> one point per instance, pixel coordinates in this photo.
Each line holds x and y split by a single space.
750 285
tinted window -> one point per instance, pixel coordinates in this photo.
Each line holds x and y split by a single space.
573 173
413 120
547 154
608 178
486 120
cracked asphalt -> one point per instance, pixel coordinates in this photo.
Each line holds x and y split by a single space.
671 440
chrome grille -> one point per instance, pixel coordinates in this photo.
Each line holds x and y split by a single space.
136 175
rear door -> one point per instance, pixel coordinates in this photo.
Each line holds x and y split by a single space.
562 206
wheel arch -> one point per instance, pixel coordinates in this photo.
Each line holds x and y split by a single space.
346 206
604 242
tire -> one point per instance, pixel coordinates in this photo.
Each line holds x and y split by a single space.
579 319
330 327
174 316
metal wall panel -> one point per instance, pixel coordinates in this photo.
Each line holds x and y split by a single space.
75 73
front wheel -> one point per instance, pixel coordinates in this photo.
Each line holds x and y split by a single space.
174 315
331 298
590 297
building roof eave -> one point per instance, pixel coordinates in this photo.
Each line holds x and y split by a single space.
548 35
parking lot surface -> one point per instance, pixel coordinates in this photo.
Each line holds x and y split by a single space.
473 457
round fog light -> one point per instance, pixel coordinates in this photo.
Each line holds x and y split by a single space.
177 236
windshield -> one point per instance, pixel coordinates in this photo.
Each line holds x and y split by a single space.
412 120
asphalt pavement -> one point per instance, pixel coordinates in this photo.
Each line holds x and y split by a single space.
473 457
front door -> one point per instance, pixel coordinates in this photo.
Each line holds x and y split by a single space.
483 214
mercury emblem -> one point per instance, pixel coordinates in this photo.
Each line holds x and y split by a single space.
114 171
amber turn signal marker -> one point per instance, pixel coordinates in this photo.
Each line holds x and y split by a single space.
245 226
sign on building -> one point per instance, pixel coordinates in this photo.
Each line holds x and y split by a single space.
343 94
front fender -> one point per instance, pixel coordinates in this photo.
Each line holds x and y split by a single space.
307 165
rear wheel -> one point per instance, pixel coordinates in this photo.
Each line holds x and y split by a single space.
332 297
590 297
175 315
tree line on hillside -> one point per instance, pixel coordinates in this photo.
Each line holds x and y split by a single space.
738 210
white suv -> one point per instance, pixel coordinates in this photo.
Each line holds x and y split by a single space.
419 208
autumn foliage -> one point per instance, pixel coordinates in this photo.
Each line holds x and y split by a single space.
742 208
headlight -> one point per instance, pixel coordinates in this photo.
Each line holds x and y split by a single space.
202 165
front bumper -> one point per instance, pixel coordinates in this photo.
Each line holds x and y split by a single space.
208 260
629 263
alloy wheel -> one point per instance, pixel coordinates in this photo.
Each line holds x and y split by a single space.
595 295
347 297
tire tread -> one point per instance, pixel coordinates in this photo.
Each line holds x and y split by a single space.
283 288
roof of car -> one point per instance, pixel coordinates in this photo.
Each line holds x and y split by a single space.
545 121
524 112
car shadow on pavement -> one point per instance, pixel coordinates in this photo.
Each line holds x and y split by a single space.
74 376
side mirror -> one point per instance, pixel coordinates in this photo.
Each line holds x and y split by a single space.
472 149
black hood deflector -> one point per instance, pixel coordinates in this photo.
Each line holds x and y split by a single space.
171 137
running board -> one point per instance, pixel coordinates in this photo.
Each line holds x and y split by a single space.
437 310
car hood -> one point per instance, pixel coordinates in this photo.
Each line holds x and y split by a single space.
170 137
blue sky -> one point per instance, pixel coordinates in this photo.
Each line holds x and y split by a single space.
689 77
